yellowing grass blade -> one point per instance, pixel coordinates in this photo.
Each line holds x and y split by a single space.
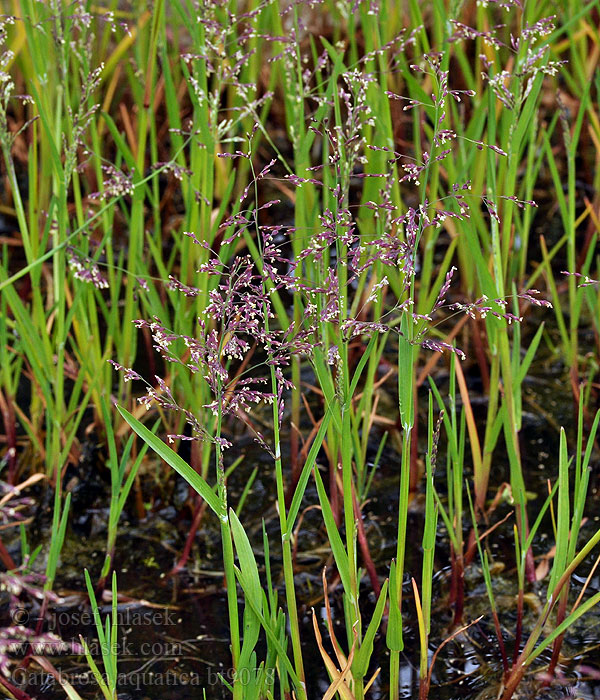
339 684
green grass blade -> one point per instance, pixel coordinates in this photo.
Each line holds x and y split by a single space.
174 460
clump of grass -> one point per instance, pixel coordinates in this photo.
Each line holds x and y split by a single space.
107 636
163 151
567 521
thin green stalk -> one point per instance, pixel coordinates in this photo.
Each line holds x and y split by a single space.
288 567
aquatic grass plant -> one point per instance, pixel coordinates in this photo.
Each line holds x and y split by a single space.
567 557
120 484
55 118
292 216
107 636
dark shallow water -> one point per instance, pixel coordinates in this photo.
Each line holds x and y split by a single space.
173 636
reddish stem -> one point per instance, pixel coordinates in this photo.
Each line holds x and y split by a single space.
556 647
364 546
500 642
5 557
197 519
13 690
10 427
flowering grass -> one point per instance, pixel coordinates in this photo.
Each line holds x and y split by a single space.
274 215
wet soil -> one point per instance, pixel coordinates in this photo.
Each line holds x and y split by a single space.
173 629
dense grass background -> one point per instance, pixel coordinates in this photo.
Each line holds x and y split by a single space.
398 182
